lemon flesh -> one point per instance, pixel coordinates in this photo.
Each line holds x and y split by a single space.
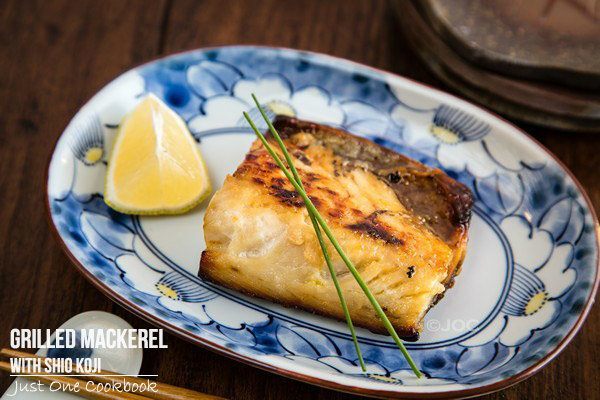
155 166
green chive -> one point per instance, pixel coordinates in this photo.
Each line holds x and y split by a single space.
315 224
312 210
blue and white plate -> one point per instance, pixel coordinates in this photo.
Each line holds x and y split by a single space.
527 283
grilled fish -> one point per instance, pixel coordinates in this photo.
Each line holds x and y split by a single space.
404 226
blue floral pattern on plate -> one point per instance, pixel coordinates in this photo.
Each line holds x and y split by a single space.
535 234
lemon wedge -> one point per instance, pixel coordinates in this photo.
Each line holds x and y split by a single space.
155 166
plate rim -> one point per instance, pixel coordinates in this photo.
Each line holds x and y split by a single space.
329 384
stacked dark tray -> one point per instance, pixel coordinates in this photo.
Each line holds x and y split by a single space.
536 61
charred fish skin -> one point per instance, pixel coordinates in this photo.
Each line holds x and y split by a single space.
403 224
431 194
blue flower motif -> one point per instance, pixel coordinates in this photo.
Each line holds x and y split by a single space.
225 111
210 78
539 279
460 141
517 186
376 372
452 126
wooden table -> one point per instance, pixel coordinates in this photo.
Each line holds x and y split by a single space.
55 54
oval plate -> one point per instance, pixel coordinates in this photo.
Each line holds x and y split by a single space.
527 283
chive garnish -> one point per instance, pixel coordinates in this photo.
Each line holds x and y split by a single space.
318 233
314 214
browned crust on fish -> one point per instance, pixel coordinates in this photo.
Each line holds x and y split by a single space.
442 204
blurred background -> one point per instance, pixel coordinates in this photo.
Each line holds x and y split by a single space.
536 62
532 60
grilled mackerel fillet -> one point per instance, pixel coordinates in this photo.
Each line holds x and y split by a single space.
404 225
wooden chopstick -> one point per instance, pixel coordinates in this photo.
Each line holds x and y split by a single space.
68 384
163 390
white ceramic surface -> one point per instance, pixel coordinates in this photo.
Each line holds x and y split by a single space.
526 284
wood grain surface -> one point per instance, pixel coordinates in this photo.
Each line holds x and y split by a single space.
56 54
